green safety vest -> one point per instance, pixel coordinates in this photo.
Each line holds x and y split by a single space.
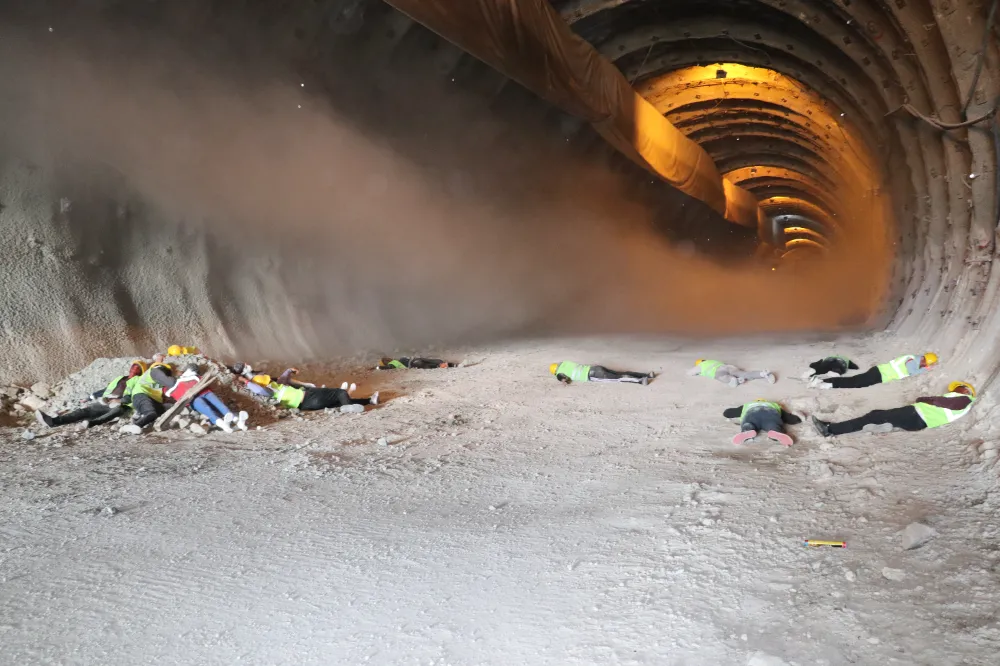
575 371
113 384
396 364
287 396
936 417
895 369
144 383
709 368
759 404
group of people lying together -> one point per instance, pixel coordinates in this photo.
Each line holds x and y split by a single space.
148 389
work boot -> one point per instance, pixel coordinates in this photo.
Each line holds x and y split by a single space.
374 399
779 437
241 422
223 425
822 427
44 419
743 437
645 381
768 376
733 382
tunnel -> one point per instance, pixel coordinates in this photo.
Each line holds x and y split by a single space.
509 185
859 134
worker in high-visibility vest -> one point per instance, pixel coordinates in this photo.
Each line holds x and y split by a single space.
568 372
312 398
107 405
837 365
927 412
726 373
894 370
404 362
762 416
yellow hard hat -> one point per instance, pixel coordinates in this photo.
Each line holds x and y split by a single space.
957 385
175 350
931 358
699 361
553 368
168 366
263 380
141 364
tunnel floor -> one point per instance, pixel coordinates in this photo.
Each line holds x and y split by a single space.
509 520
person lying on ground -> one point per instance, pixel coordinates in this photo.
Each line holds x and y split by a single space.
927 412
762 416
205 403
726 373
894 370
837 365
404 362
106 406
568 372
313 398
145 393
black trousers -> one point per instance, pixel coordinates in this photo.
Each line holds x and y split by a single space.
830 364
869 377
321 398
601 374
146 409
904 418
95 414
762 419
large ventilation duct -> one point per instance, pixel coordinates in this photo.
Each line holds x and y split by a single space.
529 42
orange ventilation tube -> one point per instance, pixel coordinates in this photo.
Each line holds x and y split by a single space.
529 42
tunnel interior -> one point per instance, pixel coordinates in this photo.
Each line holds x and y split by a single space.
863 129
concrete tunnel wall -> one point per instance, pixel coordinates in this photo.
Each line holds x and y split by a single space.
73 295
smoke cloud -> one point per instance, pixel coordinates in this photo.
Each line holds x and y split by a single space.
271 224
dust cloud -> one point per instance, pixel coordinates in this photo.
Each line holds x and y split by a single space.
329 241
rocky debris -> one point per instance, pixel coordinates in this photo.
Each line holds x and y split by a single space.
42 390
11 392
183 423
32 402
893 574
130 429
916 535
197 429
27 435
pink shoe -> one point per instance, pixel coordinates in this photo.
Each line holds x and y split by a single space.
779 437
743 436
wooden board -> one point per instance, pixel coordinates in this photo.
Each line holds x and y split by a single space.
175 409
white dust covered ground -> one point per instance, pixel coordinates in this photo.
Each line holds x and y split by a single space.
508 519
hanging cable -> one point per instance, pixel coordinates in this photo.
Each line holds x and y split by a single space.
941 125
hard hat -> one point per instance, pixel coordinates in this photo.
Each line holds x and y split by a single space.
553 368
966 385
168 366
141 364
931 358
175 350
699 361
263 380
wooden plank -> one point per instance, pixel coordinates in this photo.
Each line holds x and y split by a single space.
175 409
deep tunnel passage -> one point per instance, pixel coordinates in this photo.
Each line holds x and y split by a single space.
800 103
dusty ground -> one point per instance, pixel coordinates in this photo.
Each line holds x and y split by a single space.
510 520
